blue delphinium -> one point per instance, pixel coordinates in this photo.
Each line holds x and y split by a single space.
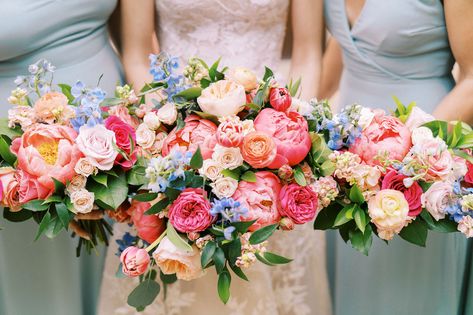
88 111
227 232
163 68
127 240
229 210
40 78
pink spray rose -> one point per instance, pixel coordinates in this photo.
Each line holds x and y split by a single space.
230 131
436 199
261 199
97 143
385 135
45 152
135 261
149 227
9 186
190 212
298 203
280 99
289 132
394 180
125 137
469 174
196 132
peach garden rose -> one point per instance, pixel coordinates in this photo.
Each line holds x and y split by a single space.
222 98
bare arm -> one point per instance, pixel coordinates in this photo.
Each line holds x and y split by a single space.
332 67
458 104
137 33
307 25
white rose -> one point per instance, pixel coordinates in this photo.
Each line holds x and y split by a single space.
247 127
76 183
417 118
222 98
227 158
145 137
224 187
167 114
211 169
366 117
172 260
85 167
302 107
421 135
244 77
152 121
83 201
97 143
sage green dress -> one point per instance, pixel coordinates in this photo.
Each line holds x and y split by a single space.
397 48
45 277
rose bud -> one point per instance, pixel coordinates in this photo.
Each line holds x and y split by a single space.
280 99
286 224
192 236
135 261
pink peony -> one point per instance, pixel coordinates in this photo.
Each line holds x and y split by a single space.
125 138
298 203
9 186
280 99
135 261
195 132
45 152
190 212
289 132
385 135
149 227
417 118
230 132
393 180
261 199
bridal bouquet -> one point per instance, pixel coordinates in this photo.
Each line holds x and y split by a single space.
67 156
404 174
231 159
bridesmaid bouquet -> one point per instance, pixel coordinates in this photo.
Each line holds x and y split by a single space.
231 159
404 174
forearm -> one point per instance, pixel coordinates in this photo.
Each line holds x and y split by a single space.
137 70
306 65
458 104
332 67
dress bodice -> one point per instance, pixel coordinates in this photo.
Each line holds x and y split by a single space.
246 33
35 28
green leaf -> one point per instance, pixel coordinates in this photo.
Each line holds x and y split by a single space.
66 90
463 155
180 124
100 178
207 253
439 128
168 279
36 205
294 87
59 186
53 199
415 233
145 197
219 259
344 216
239 272
276 259
224 280
249 176
213 70
262 234
7 131
5 152
253 106
44 224
262 259
235 174
158 206
268 73
176 239
136 176
456 135
144 294
233 250
356 195
325 219
327 168
361 219
172 193
17 216
261 94
197 161
242 227
65 216
207 116
299 176
111 101
466 142
190 94
442 226
319 149
114 195
361 241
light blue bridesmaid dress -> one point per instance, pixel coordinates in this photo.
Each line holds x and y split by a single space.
45 277
397 48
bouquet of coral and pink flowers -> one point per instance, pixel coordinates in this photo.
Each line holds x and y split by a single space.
231 159
401 174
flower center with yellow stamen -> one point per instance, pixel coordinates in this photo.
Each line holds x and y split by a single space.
48 151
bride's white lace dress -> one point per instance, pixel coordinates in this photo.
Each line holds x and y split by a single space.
245 33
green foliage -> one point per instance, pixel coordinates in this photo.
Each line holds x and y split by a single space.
442 226
439 128
158 207
65 216
176 239
136 176
293 87
207 253
36 205
249 176
5 152
223 286
319 156
268 74
356 195
7 131
235 174
276 259
361 219
100 178
18 216
167 279
325 220
144 294
66 90
346 215
111 196
262 234
242 227
190 94
415 233
43 225
299 176
197 161
145 197
403 112
361 241
219 259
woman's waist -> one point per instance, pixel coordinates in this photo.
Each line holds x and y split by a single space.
61 53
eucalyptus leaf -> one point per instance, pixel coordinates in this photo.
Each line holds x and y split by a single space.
144 294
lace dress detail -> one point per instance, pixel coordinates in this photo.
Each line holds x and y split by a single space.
246 33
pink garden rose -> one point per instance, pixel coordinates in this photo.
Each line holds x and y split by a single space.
30 188
385 135
9 187
190 212
195 132
433 154
97 143
280 99
135 261
394 180
230 132
289 132
298 203
125 138
436 199
261 199
45 152
149 227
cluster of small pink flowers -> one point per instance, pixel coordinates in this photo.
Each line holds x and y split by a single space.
202 241
286 173
248 251
345 163
327 190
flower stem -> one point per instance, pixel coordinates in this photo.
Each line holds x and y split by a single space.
156 242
